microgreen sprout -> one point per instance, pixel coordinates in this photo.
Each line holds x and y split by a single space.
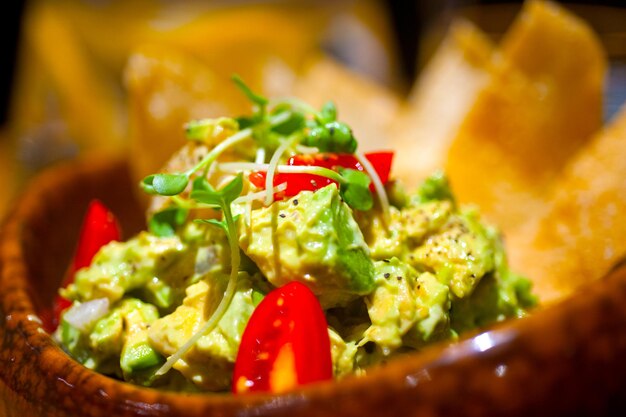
257 99
165 222
204 193
329 135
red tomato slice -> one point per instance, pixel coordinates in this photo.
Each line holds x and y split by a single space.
285 343
381 161
99 227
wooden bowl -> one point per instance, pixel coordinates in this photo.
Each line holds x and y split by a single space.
566 359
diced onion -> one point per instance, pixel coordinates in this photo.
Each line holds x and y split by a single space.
259 195
378 185
83 316
271 170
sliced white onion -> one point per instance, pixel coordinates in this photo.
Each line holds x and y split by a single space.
271 170
259 195
378 185
260 156
83 316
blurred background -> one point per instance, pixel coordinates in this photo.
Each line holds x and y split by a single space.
122 76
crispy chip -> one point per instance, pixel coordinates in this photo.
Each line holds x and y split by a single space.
167 89
542 103
439 101
581 235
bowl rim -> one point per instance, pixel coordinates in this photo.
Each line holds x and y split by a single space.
408 382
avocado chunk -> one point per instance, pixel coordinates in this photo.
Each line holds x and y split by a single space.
103 347
146 263
405 304
139 355
138 359
209 363
408 228
312 238
343 354
500 294
460 253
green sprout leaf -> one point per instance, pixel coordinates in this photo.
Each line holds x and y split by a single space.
331 137
341 138
294 123
146 184
201 130
165 222
233 189
204 193
167 184
328 113
201 184
246 121
258 99
434 188
222 224
355 189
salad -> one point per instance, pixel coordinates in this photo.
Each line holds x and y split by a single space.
278 254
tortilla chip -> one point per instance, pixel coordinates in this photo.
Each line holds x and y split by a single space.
581 235
542 103
439 101
367 107
167 89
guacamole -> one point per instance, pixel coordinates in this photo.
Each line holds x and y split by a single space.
394 269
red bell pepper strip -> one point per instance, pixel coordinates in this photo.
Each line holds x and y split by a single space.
381 161
285 343
100 226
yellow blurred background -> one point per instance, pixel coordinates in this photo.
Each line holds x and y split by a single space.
118 75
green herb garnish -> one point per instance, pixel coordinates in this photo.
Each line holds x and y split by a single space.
164 223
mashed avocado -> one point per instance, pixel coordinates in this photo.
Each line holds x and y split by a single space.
390 278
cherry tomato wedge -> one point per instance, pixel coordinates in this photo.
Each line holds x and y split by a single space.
381 161
285 343
99 227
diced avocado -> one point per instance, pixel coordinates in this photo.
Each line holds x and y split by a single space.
384 240
138 355
499 295
108 333
210 361
433 309
151 268
312 238
342 353
120 267
434 188
406 229
391 306
460 253
405 304
422 220
100 348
